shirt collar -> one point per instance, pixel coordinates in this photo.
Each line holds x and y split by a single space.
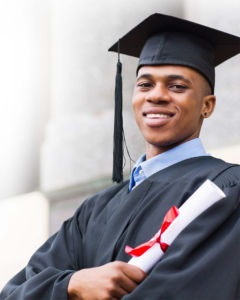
192 148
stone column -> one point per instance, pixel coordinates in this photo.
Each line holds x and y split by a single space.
24 92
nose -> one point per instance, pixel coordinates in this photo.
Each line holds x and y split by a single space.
158 95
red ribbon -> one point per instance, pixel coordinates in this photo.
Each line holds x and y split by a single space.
139 250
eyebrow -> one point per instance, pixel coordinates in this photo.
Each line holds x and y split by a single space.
146 75
179 77
173 76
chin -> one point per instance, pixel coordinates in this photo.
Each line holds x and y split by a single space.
162 145
161 141
168 140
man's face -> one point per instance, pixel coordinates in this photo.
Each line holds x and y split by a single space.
168 103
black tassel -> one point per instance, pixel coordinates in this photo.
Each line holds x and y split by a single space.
117 174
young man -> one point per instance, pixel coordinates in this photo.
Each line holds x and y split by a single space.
172 96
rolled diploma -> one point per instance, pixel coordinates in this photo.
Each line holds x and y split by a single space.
204 197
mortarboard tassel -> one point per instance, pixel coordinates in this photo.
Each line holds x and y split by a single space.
117 174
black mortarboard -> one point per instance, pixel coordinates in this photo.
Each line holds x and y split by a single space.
167 40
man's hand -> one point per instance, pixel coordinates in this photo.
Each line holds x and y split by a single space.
108 282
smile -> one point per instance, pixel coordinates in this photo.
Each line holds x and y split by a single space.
154 116
157 118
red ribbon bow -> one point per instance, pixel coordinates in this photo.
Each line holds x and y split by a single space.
139 250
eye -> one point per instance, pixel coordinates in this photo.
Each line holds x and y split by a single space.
144 85
177 87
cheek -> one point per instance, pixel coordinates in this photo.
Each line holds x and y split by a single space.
190 108
136 104
137 109
191 116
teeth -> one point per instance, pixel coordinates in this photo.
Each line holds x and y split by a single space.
157 116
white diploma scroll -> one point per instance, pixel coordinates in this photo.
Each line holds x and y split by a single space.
204 197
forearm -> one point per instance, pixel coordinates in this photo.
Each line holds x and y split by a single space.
49 284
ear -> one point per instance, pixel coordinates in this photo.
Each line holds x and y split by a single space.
208 105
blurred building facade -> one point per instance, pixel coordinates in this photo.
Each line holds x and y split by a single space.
57 94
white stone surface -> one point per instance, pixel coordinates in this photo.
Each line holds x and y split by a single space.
23 228
230 153
24 69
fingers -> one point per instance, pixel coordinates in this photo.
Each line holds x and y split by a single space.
129 276
118 292
132 272
111 281
127 284
119 279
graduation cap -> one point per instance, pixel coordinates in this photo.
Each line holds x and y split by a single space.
166 40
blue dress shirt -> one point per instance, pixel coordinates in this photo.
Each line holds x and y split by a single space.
145 168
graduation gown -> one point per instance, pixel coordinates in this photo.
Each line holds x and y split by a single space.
202 263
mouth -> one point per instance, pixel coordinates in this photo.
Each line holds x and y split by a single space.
157 115
157 118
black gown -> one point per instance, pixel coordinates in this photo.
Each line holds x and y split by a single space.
202 263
